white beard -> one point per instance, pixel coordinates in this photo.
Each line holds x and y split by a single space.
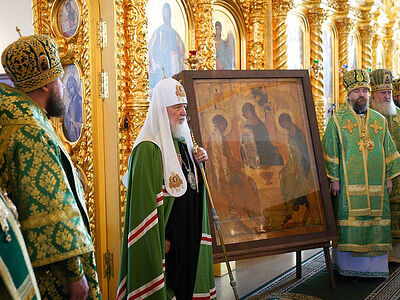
180 131
384 108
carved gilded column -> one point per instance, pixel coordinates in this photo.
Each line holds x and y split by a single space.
85 156
280 10
132 77
389 48
343 26
255 34
204 32
41 16
315 18
375 42
367 35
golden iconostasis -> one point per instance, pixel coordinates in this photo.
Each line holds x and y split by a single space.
113 53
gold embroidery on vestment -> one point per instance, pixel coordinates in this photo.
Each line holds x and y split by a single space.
175 181
349 126
365 223
365 142
374 125
364 248
180 93
331 159
392 157
397 119
361 190
48 219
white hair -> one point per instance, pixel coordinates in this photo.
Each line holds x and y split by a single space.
180 131
384 108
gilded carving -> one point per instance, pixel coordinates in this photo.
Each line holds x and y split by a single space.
343 6
316 18
75 50
356 13
389 46
280 10
41 16
124 145
254 20
366 15
343 25
333 4
204 32
320 112
367 35
132 82
375 41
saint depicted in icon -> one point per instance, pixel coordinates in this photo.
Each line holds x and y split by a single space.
166 50
225 49
256 147
73 119
295 173
68 16
239 190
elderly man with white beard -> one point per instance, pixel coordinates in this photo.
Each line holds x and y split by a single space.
382 101
166 249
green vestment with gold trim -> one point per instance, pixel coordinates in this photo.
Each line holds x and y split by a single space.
394 129
359 153
54 223
17 280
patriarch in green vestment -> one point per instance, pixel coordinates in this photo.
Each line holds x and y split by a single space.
361 162
38 175
382 101
166 249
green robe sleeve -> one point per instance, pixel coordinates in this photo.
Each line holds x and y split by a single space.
331 149
392 157
142 262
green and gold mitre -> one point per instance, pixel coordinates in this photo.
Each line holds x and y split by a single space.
32 62
381 79
396 87
355 79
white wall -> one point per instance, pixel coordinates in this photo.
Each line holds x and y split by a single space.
14 13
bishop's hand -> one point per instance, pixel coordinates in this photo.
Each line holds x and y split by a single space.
79 290
335 187
389 186
167 246
200 155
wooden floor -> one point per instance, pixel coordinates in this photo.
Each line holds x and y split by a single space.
252 273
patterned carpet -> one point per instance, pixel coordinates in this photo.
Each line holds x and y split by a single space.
389 289
314 285
286 296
